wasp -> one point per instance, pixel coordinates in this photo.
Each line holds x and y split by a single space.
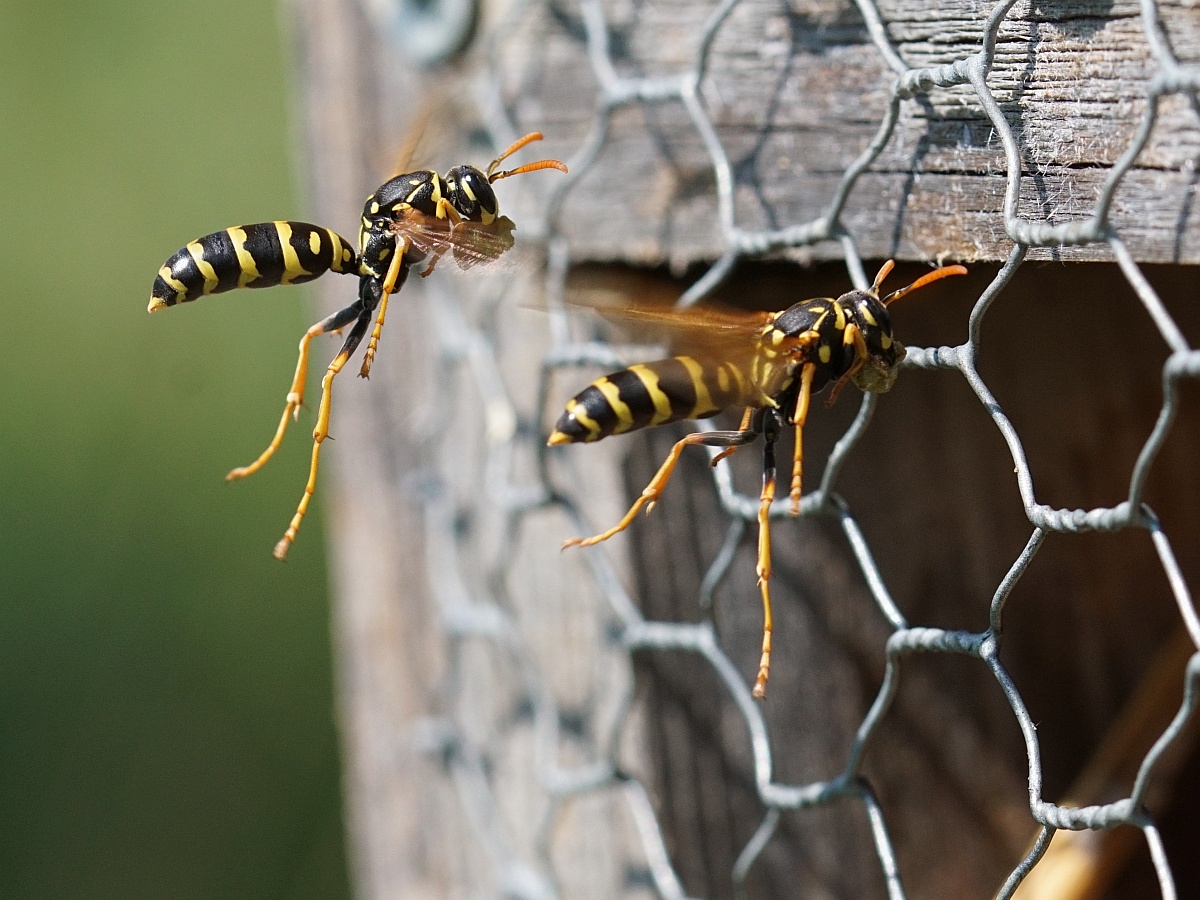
413 219
768 363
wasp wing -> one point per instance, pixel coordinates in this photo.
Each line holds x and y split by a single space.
713 332
426 134
468 243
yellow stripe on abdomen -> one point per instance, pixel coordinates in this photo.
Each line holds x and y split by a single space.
196 249
246 261
291 262
662 403
577 411
619 407
704 402
175 284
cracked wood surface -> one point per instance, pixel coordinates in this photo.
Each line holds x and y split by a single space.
798 91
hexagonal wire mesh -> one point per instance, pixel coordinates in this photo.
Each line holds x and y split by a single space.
479 594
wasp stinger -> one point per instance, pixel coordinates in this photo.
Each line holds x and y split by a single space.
770 364
412 219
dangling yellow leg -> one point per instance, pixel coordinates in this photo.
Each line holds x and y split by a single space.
389 285
764 578
798 419
321 431
649 496
659 482
745 426
295 396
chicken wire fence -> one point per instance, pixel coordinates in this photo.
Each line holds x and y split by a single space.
525 754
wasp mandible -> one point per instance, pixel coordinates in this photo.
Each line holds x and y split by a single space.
412 219
770 364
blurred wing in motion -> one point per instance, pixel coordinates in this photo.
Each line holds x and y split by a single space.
414 146
715 332
468 243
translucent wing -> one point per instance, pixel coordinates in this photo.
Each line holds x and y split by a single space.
421 131
714 332
468 243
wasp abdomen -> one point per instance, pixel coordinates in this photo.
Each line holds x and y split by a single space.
654 393
260 255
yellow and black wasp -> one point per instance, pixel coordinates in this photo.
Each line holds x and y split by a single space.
770 364
413 219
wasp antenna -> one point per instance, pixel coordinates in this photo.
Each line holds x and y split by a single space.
513 148
925 279
530 167
884 271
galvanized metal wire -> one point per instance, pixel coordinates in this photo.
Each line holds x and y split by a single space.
487 496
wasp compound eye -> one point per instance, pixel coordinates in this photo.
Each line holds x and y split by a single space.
471 194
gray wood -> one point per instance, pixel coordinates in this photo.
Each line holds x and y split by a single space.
385 645
797 92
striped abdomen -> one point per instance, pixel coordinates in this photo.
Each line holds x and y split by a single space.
261 255
654 393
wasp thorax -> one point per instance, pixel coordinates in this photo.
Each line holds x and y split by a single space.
420 190
376 243
470 193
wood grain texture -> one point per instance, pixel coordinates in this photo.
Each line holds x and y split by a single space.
797 91
386 653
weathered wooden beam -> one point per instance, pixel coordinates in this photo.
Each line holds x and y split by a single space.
798 92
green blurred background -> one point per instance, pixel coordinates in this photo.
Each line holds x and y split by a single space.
166 716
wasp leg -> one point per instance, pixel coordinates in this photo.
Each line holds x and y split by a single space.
322 430
764 563
433 261
854 337
798 419
443 211
745 426
389 287
295 397
655 488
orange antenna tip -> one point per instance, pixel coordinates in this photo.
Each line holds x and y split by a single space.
927 278
884 271
512 148
528 167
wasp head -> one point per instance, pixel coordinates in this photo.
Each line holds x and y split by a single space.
884 352
870 313
470 193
